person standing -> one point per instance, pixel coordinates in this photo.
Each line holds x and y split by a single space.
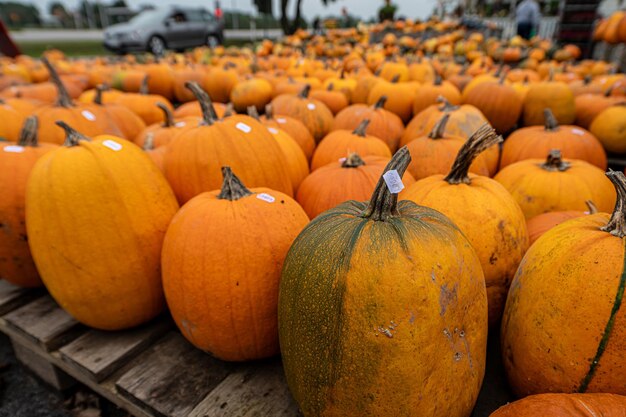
527 16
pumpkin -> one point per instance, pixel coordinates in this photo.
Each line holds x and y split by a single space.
129 124
351 178
556 185
312 113
565 334
144 104
565 405
554 95
25 107
102 268
610 128
293 127
363 88
422 71
156 154
180 77
585 86
255 92
400 97
333 99
363 275
383 123
11 124
163 133
160 78
232 284
500 104
17 161
484 211
541 223
339 142
536 141
194 158
192 108
428 94
219 82
588 106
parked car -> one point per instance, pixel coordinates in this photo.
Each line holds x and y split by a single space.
165 28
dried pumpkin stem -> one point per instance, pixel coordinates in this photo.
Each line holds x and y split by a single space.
361 128
168 117
617 223
383 203
100 89
28 134
395 79
232 187
587 80
440 127
64 99
304 93
208 112
554 162
252 112
380 103
353 161
148 144
446 105
72 136
550 122
330 87
438 79
143 88
483 138
591 206
229 110
609 91
269 112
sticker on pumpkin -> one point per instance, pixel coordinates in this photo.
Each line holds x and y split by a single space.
393 181
88 115
14 149
310 106
266 197
272 130
111 144
243 127
180 124
578 132
281 120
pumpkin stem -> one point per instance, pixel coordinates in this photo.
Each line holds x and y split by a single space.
551 75
100 89
617 224
143 89
499 71
480 140
148 144
587 79
440 127
72 136
438 79
252 112
229 110
380 103
330 87
361 128
352 161
168 117
63 99
208 112
28 134
269 112
446 105
551 124
609 91
591 206
464 69
502 79
395 79
304 93
383 204
232 187
554 162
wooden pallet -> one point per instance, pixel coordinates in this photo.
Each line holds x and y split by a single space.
151 371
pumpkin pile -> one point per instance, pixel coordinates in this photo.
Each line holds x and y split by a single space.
367 203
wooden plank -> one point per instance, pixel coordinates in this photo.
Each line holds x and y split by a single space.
257 390
47 372
98 353
12 297
44 323
172 377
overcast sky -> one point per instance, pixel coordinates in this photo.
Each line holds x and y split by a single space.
310 8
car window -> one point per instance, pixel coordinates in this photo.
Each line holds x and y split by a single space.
207 16
178 17
196 15
147 17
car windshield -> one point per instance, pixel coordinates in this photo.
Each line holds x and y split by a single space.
149 17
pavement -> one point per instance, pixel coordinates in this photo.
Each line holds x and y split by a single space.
61 35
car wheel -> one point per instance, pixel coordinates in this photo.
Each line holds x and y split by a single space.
156 45
212 41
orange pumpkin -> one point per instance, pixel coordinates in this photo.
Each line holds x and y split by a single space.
334 100
255 92
565 405
156 154
192 108
588 106
500 104
554 95
541 223
129 124
293 127
144 104
313 113
428 94
400 97
610 128
12 121
162 133
219 82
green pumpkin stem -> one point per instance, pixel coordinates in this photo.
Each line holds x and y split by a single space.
232 187
64 99
252 112
304 93
28 134
554 162
440 127
168 117
208 111
383 204
72 136
143 88
361 129
484 138
380 103
353 161
617 223
551 124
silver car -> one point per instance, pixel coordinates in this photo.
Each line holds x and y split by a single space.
165 28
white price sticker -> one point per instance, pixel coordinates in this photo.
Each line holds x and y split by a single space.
273 131
342 160
88 115
266 197
310 106
243 127
281 120
578 132
14 149
113 145
180 124
393 181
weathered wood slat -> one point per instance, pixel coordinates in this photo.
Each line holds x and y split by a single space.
172 377
98 353
42 367
44 323
253 391
12 297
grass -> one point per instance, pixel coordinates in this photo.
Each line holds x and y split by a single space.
87 48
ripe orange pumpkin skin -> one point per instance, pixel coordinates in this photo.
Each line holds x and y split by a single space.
334 99
233 285
400 97
536 141
129 124
163 133
313 113
11 123
356 339
255 92
500 104
102 267
571 324
428 94
294 127
565 405
589 106
384 124
17 161
296 161
541 186
484 211
540 224
556 96
610 128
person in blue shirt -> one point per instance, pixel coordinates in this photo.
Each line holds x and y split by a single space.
527 16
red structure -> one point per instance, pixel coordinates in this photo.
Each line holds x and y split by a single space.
7 46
